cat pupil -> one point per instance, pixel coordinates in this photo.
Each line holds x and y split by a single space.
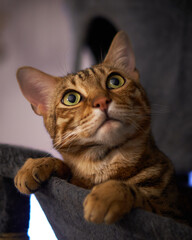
114 81
71 98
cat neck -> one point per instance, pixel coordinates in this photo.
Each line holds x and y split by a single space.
94 164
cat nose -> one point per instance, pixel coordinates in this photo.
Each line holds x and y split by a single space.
102 103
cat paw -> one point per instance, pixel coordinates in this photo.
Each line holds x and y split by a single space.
107 202
37 171
24 180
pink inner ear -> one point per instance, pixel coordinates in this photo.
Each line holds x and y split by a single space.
37 87
120 53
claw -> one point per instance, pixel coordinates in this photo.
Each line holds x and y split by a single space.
36 178
29 189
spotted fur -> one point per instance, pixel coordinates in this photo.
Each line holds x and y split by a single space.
105 139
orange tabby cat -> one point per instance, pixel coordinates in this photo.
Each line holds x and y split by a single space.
99 120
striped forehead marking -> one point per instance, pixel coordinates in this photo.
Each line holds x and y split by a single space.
76 81
91 72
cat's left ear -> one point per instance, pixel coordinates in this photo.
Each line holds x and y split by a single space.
37 87
121 55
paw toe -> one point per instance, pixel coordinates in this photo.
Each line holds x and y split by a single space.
42 173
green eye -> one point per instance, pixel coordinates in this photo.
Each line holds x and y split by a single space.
71 98
115 81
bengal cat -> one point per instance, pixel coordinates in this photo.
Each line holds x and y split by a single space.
99 120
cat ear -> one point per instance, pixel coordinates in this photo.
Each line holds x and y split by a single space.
121 54
37 87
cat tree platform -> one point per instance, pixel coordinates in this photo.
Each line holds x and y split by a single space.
62 204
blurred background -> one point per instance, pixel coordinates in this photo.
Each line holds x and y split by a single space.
38 34
62 36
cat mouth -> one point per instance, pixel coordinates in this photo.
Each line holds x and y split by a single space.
108 122
109 132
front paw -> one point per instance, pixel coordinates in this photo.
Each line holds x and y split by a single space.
25 180
107 202
37 171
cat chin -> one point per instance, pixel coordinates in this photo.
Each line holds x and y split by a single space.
111 134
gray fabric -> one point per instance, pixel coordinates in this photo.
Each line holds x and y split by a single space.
13 157
69 223
161 34
62 204
14 207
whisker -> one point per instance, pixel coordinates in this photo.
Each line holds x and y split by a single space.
70 144
134 124
69 137
153 112
153 109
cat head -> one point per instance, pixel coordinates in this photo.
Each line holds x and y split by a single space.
104 105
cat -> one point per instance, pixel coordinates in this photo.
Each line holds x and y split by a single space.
100 122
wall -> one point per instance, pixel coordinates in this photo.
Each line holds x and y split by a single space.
38 34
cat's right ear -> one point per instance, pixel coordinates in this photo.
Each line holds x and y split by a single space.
37 87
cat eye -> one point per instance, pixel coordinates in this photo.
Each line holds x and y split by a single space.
115 81
71 98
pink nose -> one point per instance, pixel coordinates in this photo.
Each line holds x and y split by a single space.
102 103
